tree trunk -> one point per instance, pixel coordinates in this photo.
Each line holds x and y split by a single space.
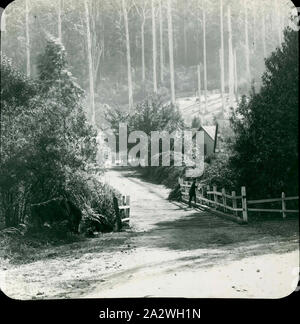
204 53
27 39
96 45
90 63
278 22
230 59
130 95
96 64
154 51
222 84
199 88
103 38
254 26
222 59
59 20
264 35
143 51
171 54
185 36
161 43
247 52
235 75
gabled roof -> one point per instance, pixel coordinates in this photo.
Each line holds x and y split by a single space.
209 130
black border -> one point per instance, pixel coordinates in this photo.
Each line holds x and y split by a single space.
87 310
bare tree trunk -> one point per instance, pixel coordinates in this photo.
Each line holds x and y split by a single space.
59 20
130 95
204 53
103 37
90 63
161 43
272 18
96 45
143 51
222 59
264 35
247 52
254 25
185 35
197 36
222 85
27 39
154 51
171 54
230 59
235 75
96 64
278 21
199 88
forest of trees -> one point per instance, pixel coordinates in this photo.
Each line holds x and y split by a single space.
120 50
64 62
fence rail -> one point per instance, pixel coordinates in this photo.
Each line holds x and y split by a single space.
124 208
238 204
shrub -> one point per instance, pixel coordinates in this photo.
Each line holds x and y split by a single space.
218 173
175 193
265 148
48 147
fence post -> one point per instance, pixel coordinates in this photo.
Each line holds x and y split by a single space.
208 195
224 199
234 205
128 204
118 216
215 196
182 189
283 205
244 204
198 198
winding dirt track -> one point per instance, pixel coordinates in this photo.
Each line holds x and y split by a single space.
169 251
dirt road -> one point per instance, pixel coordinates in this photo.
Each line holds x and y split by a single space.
170 251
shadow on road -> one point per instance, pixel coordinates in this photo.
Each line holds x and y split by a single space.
207 232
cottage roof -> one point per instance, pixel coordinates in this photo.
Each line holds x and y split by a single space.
210 131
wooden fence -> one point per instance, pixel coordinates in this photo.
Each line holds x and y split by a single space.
236 205
124 208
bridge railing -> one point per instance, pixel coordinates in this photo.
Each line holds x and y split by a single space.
236 205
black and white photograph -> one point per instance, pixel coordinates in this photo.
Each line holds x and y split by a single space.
149 149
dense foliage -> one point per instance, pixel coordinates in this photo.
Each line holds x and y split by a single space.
48 149
262 151
265 150
151 114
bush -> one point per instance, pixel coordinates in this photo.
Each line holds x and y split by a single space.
175 194
48 147
218 173
265 148
94 199
167 176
